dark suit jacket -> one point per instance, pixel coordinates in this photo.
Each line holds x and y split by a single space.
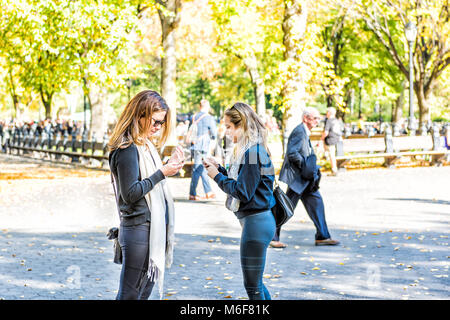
298 149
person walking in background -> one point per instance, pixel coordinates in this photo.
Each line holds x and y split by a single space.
302 175
146 232
361 125
447 141
221 141
203 129
248 184
330 137
447 138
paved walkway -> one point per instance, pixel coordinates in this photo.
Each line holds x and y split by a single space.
393 226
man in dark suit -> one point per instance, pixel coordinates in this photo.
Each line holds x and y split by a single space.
302 175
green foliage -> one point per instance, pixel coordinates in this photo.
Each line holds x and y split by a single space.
50 46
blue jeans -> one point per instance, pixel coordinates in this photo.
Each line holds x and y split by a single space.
197 172
134 284
257 232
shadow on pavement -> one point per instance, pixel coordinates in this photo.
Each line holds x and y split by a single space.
367 265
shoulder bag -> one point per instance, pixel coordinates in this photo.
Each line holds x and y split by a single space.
283 209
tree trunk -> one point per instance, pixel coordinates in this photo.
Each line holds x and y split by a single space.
258 84
293 91
169 24
13 94
46 99
397 110
424 107
98 103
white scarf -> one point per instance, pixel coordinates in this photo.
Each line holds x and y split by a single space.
162 237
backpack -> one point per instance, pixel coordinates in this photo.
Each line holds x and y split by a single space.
192 134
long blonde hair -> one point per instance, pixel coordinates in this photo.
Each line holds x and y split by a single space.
253 129
128 129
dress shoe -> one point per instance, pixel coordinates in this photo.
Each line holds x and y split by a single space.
210 195
196 198
277 244
327 242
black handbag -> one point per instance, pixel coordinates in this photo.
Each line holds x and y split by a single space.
283 209
113 233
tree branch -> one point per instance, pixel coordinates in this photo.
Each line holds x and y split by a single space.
377 30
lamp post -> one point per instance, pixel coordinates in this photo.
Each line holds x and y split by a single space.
84 112
410 33
128 83
360 86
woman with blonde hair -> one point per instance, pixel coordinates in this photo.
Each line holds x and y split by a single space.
248 184
143 197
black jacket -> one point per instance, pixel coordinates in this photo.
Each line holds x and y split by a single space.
254 184
124 164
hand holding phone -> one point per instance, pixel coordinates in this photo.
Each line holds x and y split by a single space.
177 156
210 168
205 163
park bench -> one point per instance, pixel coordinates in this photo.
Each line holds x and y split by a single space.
391 149
60 148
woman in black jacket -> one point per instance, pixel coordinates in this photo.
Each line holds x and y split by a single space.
144 201
248 184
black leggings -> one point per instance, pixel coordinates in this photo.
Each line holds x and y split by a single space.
134 284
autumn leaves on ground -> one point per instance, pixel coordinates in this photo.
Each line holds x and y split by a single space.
42 170
393 225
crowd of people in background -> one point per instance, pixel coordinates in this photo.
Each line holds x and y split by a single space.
47 126
71 127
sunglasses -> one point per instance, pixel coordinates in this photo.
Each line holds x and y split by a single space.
158 122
